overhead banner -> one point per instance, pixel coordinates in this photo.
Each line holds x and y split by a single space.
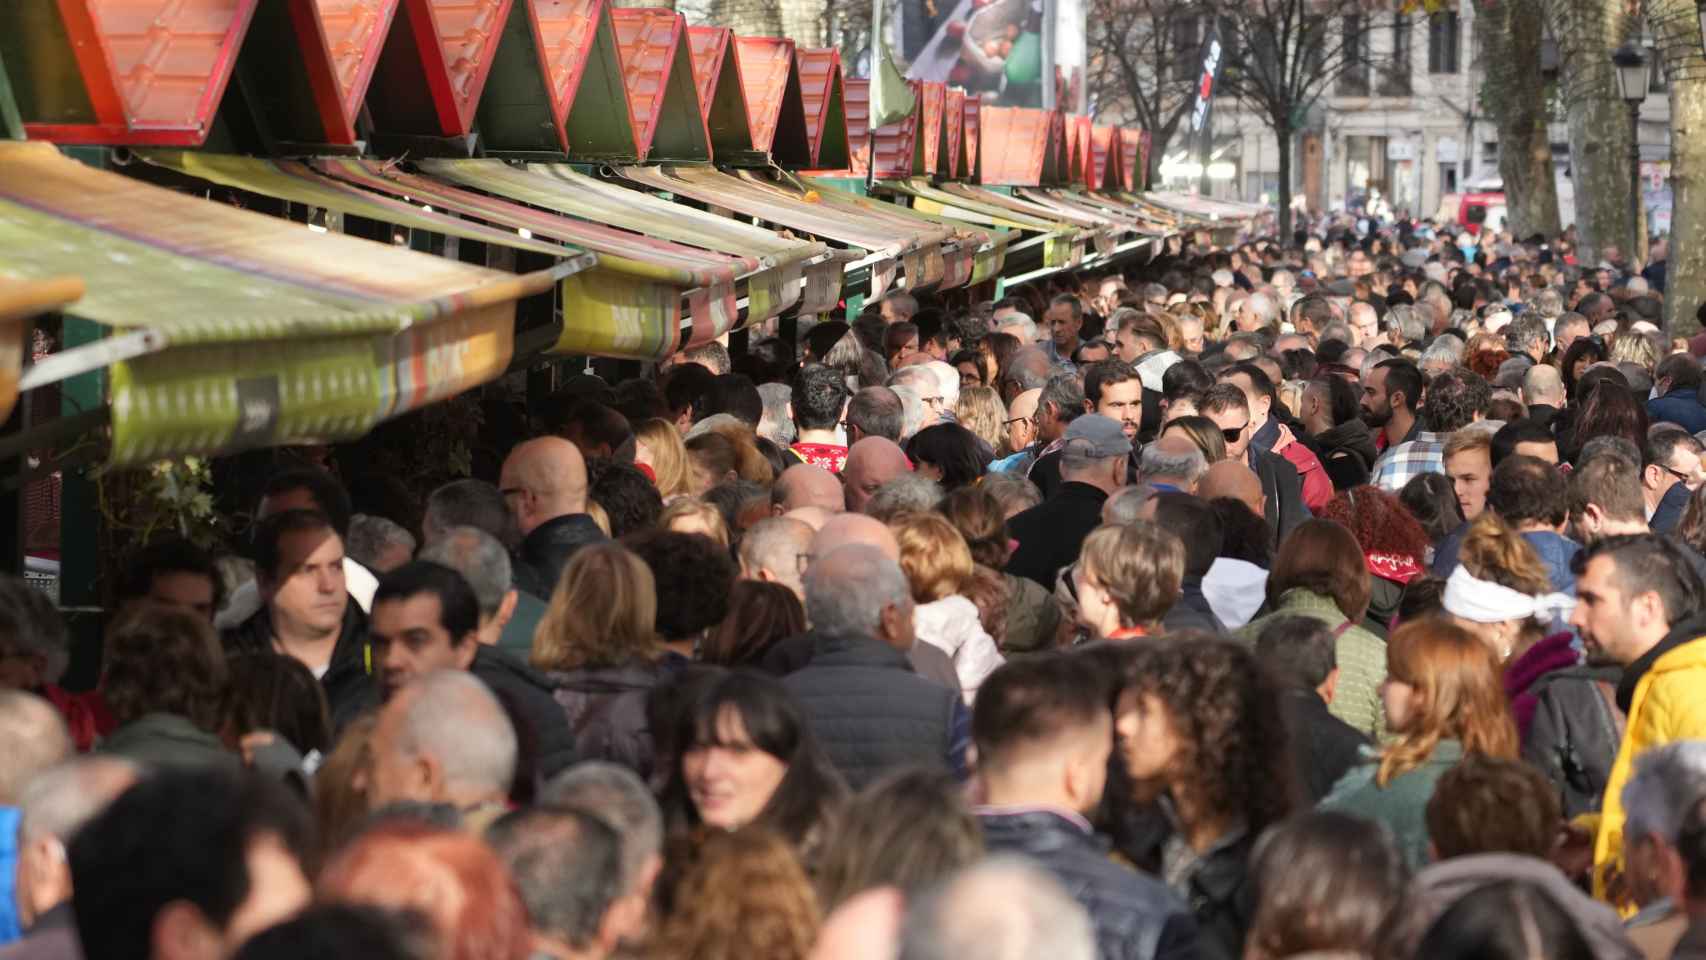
1206 76
992 48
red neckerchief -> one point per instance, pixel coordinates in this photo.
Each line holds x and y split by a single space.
1127 633
1399 568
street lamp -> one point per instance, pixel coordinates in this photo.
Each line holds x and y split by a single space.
1631 66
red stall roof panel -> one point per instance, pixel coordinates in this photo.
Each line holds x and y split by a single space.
434 65
953 132
657 70
468 32
154 70
894 146
1104 159
354 32
826 112
1013 145
931 99
858 96
973 131
774 99
1131 151
722 97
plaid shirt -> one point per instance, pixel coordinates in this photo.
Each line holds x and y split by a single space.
1412 458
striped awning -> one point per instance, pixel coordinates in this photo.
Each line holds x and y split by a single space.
252 330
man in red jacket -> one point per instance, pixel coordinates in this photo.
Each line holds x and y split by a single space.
1269 435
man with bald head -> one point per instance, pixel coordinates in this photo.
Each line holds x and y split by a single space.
814 517
544 485
806 485
1543 393
1230 478
776 550
871 463
855 528
1021 430
871 711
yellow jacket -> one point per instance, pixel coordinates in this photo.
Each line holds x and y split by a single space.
1669 704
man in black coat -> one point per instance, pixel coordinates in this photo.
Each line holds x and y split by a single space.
544 484
1229 408
1093 465
870 711
1300 653
1044 733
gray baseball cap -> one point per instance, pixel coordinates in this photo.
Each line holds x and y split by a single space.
1093 435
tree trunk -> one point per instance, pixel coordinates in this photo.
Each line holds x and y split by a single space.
1587 32
1516 95
1685 265
1282 137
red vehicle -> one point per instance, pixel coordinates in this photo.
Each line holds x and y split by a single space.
1476 210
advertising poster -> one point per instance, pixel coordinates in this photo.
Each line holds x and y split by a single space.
1000 51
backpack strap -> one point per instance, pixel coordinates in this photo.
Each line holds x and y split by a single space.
1339 631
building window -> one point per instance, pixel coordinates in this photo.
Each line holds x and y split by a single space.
1395 82
1443 43
1353 81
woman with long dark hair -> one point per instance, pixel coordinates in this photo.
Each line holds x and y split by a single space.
949 454
747 756
1609 410
1584 353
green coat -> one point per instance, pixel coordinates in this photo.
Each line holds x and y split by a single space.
1402 804
1361 656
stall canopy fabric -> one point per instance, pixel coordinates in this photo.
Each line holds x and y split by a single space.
918 246
260 332
785 261
640 282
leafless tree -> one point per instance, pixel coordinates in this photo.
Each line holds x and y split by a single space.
1143 65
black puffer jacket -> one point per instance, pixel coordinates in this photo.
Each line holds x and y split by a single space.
1346 452
870 711
348 681
544 552
606 710
527 694
1136 917
1575 733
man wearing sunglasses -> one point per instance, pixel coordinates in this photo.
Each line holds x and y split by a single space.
1229 408
1269 435
1670 473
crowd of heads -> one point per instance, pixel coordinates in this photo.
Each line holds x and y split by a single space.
1320 580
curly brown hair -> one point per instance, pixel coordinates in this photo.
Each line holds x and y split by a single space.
1379 521
163 659
742 896
1235 757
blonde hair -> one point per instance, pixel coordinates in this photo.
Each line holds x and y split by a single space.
716 527
1472 437
1633 347
668 456
1141 566
934 556
981 411
603 612
742 896
1493 551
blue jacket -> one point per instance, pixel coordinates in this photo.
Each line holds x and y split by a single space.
1671 508
1682 407
1556 551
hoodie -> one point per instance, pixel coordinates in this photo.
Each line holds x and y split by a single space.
1347 453
951 625
1438 887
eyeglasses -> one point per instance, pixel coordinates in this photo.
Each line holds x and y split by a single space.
1690 480
1233 433
1009 423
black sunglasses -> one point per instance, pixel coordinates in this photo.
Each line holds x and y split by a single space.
1233 433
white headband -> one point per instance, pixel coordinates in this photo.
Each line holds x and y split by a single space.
1483 601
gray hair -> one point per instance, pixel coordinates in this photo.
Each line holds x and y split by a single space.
1157 464
1013 490
369 537
1409 323
778 425
912 409
848 587
1066 392
620 798
36 739
467 503
1443 354
907 493
919 377
775 544
1026 325
1548 303
1028 369
1526 330
453 716
1127 502
1265 309
566 862
58 801
1341 332
481 560
1002 908
1667 782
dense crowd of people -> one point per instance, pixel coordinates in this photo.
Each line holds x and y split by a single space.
1341 596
